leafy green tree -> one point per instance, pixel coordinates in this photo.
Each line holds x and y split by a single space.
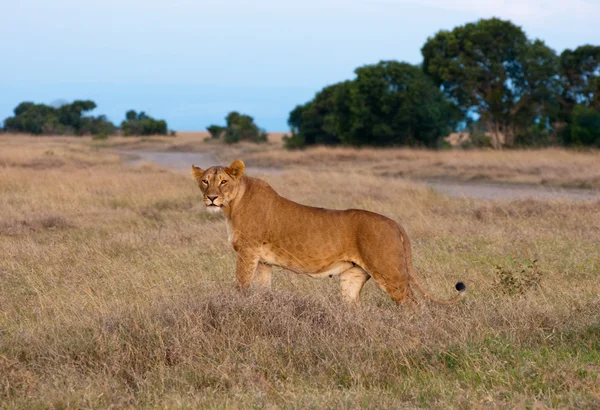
65 119
394 103
215 131
580 71
71 115
240 127
317 121
579 101
23 107
131 115
490 68
389 103
31 118
142 124
583 127
99 126
142 116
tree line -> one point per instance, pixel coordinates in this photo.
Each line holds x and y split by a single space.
74 119
486 78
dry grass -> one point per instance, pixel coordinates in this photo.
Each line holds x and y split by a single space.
183 141
116 290
552 166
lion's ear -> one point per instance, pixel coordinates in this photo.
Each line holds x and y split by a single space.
197 173
236 168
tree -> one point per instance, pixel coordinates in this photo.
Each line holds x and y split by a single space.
240 127
216 131
99 126
576 119
142 124
23 107
490 69
389 103
580 72
71 115
394 103
583 127
32 118
65 119
317 121
131 115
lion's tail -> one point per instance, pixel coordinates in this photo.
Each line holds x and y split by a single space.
460 286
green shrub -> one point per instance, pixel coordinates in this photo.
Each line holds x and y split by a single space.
240 127
142 124
517 281
584 128
68 119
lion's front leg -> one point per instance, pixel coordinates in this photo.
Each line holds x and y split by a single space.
246 266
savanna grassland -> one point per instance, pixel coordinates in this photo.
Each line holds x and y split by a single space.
117 288
555 167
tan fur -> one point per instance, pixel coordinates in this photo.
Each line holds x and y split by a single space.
266 229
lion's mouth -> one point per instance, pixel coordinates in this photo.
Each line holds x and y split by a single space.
214 208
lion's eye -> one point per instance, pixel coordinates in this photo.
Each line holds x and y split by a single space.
204 181
223 182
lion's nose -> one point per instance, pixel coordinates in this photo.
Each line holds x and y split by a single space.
212 198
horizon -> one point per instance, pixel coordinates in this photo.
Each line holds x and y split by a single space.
191 63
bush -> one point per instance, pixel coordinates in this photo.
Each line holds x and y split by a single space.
240 127
477 139
68 119
389 103
215 131
517 281
583 128
294 141
142 124
537 135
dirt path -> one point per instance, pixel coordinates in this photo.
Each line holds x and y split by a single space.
181 161
497 191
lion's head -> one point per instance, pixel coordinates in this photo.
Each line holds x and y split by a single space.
219 185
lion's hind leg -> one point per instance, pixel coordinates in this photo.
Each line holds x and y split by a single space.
384 253
389 272
352 282
395 283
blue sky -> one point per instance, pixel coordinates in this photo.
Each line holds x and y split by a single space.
192 61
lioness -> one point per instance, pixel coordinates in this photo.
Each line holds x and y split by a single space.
266 229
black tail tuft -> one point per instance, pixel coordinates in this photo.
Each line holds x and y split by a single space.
460 286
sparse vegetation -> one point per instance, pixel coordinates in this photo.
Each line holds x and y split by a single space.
519 280
117 290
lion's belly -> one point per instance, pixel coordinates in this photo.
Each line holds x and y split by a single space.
300 262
